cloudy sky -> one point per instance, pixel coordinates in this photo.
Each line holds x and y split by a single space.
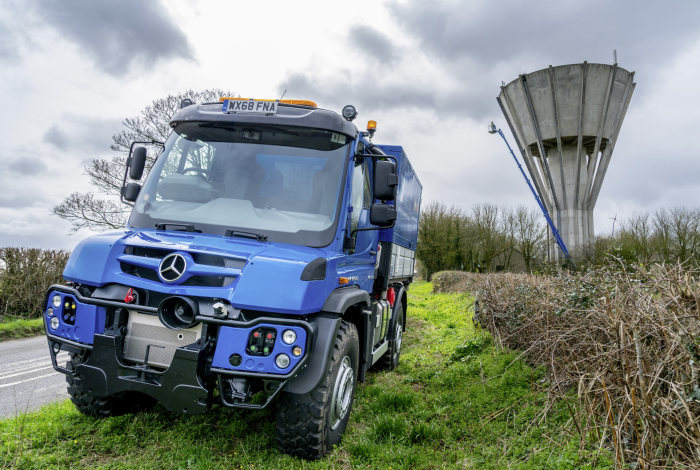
428 72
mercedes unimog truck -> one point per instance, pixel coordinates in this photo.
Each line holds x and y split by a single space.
266 260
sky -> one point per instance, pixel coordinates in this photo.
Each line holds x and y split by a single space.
427 72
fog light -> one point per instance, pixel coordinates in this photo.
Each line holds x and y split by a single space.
296 351
235 360
54 324
289 336
50 312
56 300
282 361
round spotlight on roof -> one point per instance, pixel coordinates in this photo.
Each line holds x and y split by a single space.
349 112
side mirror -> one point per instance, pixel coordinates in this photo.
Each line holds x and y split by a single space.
137 162
385 180
131 191
383 215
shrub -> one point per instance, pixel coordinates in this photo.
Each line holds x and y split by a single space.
25 274
626 339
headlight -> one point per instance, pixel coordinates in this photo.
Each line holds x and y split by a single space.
289 336
56 301
54 323
282 361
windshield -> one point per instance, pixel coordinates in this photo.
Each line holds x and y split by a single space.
281 182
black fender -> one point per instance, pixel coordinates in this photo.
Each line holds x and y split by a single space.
345 297
324 328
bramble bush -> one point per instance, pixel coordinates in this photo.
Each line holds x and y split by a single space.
25 274
624 338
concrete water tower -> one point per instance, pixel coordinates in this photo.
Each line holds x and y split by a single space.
565 121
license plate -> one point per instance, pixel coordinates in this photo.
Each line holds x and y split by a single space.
249 106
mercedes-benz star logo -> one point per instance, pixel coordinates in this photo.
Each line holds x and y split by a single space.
172 267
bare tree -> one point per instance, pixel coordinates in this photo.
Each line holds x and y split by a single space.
529 234
101 209
490 239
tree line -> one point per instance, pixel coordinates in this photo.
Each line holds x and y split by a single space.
489 238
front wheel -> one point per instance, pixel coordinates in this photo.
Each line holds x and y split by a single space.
309 425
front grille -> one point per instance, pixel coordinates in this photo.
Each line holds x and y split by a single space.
131 267
139 271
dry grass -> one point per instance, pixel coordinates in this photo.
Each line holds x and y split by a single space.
627 340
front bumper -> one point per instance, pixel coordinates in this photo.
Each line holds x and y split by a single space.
197 370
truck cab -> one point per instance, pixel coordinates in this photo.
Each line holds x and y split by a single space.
266 260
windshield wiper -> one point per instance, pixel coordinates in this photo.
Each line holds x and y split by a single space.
177 227
240 233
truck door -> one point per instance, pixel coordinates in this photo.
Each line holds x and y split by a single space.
363 257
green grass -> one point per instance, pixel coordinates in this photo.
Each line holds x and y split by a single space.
453 402
21 328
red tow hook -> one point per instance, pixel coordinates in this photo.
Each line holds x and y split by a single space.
129 296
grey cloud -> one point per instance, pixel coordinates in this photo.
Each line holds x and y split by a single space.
56 137
85 134
558 32
9 45
365 92
118 35
27 166
374 43
481 44
16 202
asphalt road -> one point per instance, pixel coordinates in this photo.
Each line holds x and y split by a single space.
27 378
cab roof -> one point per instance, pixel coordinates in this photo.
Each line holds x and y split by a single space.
287 114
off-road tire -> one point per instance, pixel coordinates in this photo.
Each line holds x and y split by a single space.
304 425
390 359
83 398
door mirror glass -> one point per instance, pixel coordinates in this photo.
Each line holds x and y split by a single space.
385 180
137 163
382 215
131 191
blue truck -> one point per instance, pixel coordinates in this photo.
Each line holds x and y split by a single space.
266 259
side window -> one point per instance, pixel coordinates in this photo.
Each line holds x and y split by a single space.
367 199
358 193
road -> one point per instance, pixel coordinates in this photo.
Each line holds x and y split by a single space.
27 379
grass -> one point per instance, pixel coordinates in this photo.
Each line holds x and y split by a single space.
21 328
453 402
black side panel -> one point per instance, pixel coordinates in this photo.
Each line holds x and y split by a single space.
324 329
341 299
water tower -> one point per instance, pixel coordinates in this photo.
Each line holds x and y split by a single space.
565 121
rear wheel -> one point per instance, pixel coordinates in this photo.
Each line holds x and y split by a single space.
309 425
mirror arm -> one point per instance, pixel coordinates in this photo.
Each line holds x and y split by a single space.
371 228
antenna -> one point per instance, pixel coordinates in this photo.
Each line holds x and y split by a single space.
285 92
614 56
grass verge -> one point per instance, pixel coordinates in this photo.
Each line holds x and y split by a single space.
454 402
21 328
